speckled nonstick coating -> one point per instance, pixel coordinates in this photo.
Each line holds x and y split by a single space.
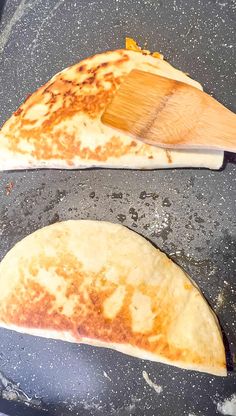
190 214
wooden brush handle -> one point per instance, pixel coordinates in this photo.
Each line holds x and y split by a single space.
218 124
188 117
168 113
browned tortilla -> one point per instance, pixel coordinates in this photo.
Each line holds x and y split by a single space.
59 125
102 284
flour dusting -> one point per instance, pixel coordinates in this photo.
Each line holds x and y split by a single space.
106 375
228 406
19 13
49 16
220 300
158 389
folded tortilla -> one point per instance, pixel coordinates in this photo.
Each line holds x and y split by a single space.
59 125
101 284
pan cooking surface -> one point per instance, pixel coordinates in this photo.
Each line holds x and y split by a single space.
190 214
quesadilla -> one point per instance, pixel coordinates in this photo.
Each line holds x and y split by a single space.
59 125
101 284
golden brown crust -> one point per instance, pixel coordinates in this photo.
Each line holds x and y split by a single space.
59 125
65 98
59 292
34 307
